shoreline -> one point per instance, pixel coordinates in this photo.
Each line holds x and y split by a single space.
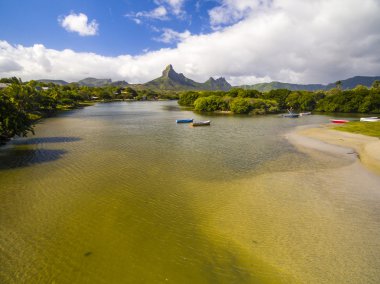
322 138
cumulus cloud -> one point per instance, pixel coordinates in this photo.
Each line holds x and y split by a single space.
7 65
162 12
175 6
316 41
159 13
231 11
79 23
171 36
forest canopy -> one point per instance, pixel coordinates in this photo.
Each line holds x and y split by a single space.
358 100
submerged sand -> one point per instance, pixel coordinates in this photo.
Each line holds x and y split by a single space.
323 138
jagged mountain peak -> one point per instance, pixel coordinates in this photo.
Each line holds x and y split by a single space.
169 71
170 74
221 79
171 80
169 67
218 84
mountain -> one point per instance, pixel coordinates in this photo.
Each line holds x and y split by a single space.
218 84
119 84
349 83
171 80
89 82
93 82
266 87
56 82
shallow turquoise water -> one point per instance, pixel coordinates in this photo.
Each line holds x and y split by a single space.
119 193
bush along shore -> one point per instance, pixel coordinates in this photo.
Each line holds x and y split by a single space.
22 104
241 101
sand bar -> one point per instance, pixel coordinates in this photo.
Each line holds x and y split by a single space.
323 138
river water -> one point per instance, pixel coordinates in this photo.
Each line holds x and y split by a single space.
120 193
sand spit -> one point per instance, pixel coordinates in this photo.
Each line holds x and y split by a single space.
323 138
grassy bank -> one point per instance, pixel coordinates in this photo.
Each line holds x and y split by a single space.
358 127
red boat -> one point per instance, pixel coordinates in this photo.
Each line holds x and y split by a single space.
339 120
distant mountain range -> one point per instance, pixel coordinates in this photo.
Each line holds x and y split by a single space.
56 82
89 82
346 84
170 80
173 81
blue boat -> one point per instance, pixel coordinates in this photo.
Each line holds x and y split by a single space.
186 120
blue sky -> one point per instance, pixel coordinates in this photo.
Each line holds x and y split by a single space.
245 41
29 22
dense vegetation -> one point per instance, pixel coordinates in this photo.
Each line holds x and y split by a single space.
236 100
358 100
21 104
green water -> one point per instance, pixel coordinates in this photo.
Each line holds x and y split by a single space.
119 193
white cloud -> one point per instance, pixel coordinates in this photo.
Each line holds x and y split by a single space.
231 11
137 21
160 13
175 6
242 80
315 41
79 23
171 36
7 65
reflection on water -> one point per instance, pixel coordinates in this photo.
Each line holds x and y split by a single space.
17 158
120 193
23 156
41 140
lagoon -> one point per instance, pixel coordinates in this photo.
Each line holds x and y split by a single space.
120 193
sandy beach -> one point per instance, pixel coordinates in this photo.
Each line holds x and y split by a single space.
325 139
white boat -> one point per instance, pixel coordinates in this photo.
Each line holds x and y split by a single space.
291 114
201 123
370 119
305 113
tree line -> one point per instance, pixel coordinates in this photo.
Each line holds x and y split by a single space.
241 101
21 104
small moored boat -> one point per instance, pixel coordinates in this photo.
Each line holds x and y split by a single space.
291 115
370 119
305 113
185 120
202 123
339 121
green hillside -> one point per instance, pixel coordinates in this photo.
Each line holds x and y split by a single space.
345 84
56 82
